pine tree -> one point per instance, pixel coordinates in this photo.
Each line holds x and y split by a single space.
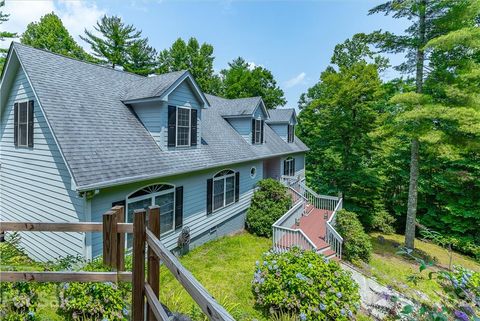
4 34
115 40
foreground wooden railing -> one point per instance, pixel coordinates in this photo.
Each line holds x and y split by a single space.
145 288
332 237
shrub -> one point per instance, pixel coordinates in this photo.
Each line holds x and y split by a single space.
19 301
305 284
356 243
269 203
94 300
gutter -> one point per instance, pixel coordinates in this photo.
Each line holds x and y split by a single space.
134 179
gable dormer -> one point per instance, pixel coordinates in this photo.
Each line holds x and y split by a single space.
246 115
283 122
170 107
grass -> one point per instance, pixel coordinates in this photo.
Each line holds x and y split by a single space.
225 268
392 269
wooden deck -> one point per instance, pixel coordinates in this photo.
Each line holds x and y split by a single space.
314 226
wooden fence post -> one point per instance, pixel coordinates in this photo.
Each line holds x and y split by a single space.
110 239
120 210
153 267
138 278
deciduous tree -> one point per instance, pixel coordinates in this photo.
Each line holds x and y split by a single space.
4 34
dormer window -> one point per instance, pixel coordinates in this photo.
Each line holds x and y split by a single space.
182 126
257 131
291 133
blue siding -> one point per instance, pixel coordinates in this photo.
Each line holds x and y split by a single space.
243 126
35 184
281 130
299 163
155 115
194 206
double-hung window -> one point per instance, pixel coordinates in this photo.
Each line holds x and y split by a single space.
291 133
183 126
257 131
223 189
289 167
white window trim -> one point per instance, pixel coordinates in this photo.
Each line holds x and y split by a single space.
189 143
254 169
26 123
289 161
152 202
224 178
258 128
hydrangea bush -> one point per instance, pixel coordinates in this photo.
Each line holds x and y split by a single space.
94 300
306 284
19 301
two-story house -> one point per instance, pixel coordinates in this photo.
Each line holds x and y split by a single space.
77 138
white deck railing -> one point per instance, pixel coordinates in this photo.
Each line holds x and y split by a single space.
332 237
284 236
325 202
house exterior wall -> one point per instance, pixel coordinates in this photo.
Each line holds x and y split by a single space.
202 226
154 115
299 163
243 126
281 130
35 184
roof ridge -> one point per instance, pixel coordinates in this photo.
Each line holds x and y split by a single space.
14 43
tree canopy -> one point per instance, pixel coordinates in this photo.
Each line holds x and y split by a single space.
50 34
191 56
242 80
4 34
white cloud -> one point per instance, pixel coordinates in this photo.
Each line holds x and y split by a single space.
76 15
252 65
298 79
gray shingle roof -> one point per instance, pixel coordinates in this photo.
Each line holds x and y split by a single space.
104 143
152 86
234 107
280 115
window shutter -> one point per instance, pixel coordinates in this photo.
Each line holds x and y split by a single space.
237 186
172 125
178 207
193 128
289 133
30 123
293 167
209 195
285 169
253 131
263 126
15 124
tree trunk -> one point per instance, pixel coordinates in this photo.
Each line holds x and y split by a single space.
412 196
413 185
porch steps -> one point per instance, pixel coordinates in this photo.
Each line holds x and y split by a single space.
314 226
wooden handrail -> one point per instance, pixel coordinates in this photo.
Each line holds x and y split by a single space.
61 227
155 306
66 276
200 295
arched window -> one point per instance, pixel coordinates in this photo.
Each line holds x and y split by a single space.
289 166
223 189
163 195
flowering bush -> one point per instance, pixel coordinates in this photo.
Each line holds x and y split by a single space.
94 300
19 301
306 284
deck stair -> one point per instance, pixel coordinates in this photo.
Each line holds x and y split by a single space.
309 224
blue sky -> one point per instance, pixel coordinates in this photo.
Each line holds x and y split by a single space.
294 39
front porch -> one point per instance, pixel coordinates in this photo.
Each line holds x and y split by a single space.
309 224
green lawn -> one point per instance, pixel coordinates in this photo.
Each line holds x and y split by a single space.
392 269
225 267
